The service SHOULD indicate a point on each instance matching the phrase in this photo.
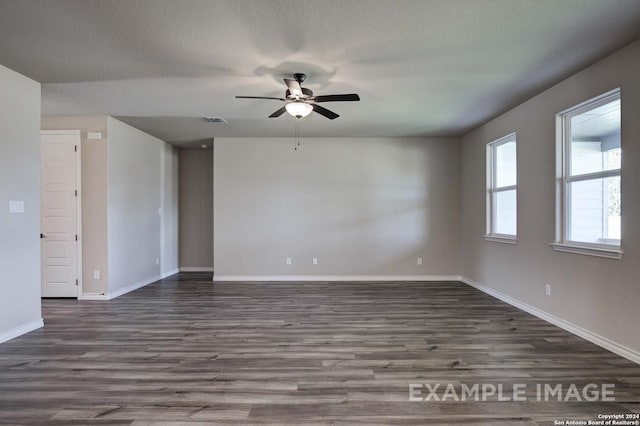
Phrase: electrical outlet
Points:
(419, 260)
(547, 289)
(315, 260)
(96, 275)
(288, 261)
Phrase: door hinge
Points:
(75, 148)
(76, 192)
(76, 237)
(76, 282)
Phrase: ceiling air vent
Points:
(215, 119)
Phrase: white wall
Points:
(19, 180)
(136, 185)
(196, 209)
(599, 295)
(361, 206)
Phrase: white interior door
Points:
(60, 153)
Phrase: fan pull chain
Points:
(296, 142)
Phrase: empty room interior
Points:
(320, 212)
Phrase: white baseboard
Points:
(119, 292)
(20, 330)
(169, 273)
(265, 278)
(196, 269)
(603, 342)
(94, 296)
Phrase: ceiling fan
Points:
(300, 101)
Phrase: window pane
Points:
(506, 174)
(595, 139)
(505, 212)
(594, 211)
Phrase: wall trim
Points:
(119, 292)
(20, 330)
(266, 278)
(607, 253)
(169, 273)
(603, 342)
(196, 269)
(94, 296)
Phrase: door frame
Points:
(77, 135)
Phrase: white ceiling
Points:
(421, 67)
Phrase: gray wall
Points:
(19, 180)
(135, 220)
(196, 208)
(169, 243)
(600, 295)
(94, 196)
(361, 206)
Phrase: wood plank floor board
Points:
(186, 351)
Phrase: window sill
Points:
(505, 239)
(608, 253)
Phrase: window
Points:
(502, 191)
(589, 178)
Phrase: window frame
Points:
(564, 178)
(493, 190)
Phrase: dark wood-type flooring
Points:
(187, 351)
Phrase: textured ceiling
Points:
(422, 68)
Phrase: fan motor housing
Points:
(306, 93)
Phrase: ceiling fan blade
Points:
(337, 98)
(323, 111)
(294, 87)
(278, 113)
(260, 97)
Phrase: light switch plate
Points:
(315, 260)
(96, 275)
(16, 206)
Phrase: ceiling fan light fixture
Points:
(300, 101)
(299, 109)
